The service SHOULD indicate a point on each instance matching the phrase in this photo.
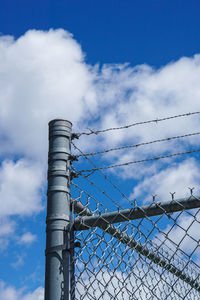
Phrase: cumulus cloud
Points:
(20, 186)
(175, 178)
(19, 262)
(11, 293)
(43, 76)
(7, 228)
(141, 93)
(27, 238)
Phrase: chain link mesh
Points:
(153, 257)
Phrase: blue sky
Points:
(153, 32)
(99, 64)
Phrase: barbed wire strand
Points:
(140, 161)
(138, 145)
(135, 124)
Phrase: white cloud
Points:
(27, 238)
(142, 93)
(42, 76)
(20, 185)
(19, 262)
(38, 294)
(176, 178)
(11, 293)
(7, 228)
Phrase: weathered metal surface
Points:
(58, 211)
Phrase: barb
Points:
(135, 124)
(140, 161)
(138, 145)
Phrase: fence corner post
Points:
(58, 211)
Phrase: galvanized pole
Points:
(57, 275)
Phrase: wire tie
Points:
(169, 216)
(89, 174)
(74, 175)
(73, 157)
(75, 136)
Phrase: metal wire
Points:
(106, 268)
(135, 124)
(140, 161)
(103, 175)
(151, 255)
(124, 196)
(138, 145)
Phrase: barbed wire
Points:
(145, 232)
(140, 144)
(135, 124)
(140, 161)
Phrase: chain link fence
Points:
(142, 252)
(102, 245)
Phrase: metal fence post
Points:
(57, 275)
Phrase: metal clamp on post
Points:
(74, 175)
(73, 158)
(75, 136)
(57, 248)
(63, 248)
